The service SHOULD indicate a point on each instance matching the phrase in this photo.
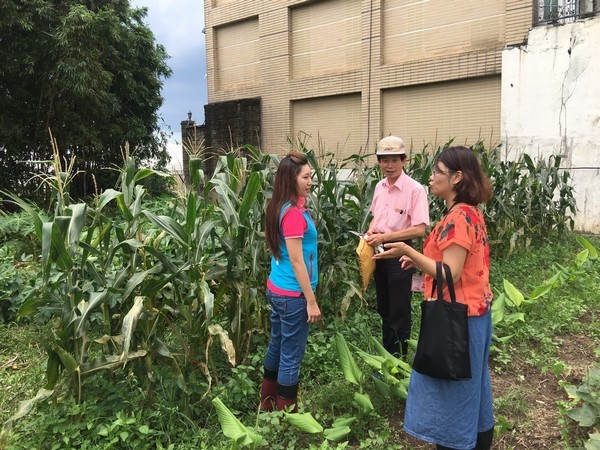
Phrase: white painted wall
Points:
(551, 105)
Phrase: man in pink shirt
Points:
(400, 213)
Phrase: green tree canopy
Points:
(89, 71)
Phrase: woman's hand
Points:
(406, 263)
(393, 250)
(314, 313)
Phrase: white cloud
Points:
(178, 25)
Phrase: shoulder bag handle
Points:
(439, 282)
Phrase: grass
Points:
(121, 416)
(22, 364)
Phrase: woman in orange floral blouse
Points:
(456, 414)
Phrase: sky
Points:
(178, 25)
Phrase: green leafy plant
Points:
(584, 407)
(510, 306)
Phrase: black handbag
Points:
(443, 345)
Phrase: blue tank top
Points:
(282, 274)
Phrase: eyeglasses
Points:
(435, 171)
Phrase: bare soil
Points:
(534, 423)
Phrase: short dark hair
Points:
(474, 187)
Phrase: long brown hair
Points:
(474, 187)
(285, 189)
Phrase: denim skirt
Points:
(451, 413)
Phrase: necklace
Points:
(452, 206)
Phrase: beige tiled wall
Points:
(308, 59)
(464, 110)
(329, 124)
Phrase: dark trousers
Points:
(393, 286)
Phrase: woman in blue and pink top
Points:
(292, 239)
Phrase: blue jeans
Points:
(289, 334)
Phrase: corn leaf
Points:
(171, 226)
(129, 324)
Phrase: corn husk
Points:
(366, 263)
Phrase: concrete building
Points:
(337, 75)
(551, 98)
(340, 74)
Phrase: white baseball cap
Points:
(391, 145)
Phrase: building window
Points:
(564, 11)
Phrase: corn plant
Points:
(533, 199)
(340, 201)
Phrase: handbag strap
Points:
(439, 281)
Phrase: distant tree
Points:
(89, 71)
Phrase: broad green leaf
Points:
(304, 422)
(336, 434)
(364, 401)
(382, 387)
(343, 422)
(571, 390)
(514, 317)
(513, 294)
(542, 290)
(400, 390)
(351, 371)
(232, 427)
(498, 306)
(593, 251)
(582, 257)
(374, 361)
(403, 366)
(593, 442)
(585, 415)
